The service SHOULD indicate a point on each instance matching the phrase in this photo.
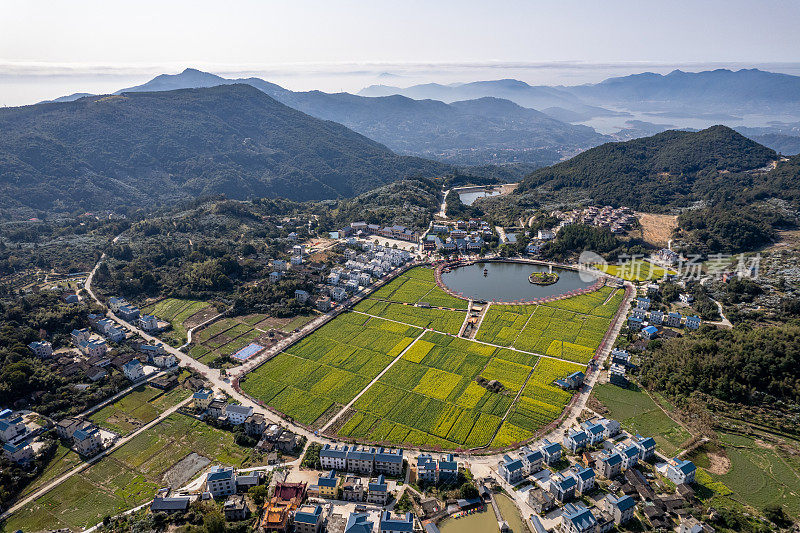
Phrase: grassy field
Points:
(176, 311)
(637, 270)
(129, 476)
(328, 367)
(142, 405)
(639, 414)
(63, 460)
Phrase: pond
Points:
(486, 522)
(468, 198)
(508, 282)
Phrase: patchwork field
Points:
(330, 367)
(179, 313)
(129, 476)
(433, 395)
(142, 405)
(227, 336)
(570, 329)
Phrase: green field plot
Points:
(414, 286)
(540, 403)
(129, 476)
(638, 413)
(435, 319)
(176, 311)
(329, 367)
(430, 397)
(760, 474)
(511, 375)
(502, 324)
(137, 408)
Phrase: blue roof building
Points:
(650, 332)
(397, 524)
(358, 523)
(577, 519)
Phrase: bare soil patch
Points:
(200, 317)
(718, 463)
(657, 229)
(185, 469)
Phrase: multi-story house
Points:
(396, 524)
(621, 509)
(594, 432)
(133, 370)
(389, 461)
(221, 481)
(647, 447)
(680, 471)
(334, 457)
(378, 491)
(610, 465)
(353, 489)
(88, 441)
(511, 469)
(584, 477)
(551, 451)
(308, 519)
(328, 485)
(237, 414)
(575, 440)
(577, 519)
(41, 349)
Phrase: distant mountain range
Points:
(146, 149)
(489, 130)
(723, 90)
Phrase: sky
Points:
(51, 48)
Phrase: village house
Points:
(41, 349)
(133, 370)
(594, 432)
(235, 508)
(352, 489)
(643, 303)
(358, 523)
(656, 317)
(170, 504)
(328, 485)
(621, 509)
(693, 322)
(308, 519)
(610, 465)
(577, 519)
(202, 398)
(148, 322)
(673, 320)
(629, 454)
(541, 501)
(11, 426)
(646, 446)
(563, 487)
(378, 491)
(334, 457)
(649, 332)
(611, 427)
(680, 471)
(255, 425)
(237, 414)
(20, 452)
(221, 481)
(511, 469)
(584, 477)
(551, 451)
(88, 441)
(216, 409)
(396, 524)
(575, 440)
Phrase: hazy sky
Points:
(48, 47)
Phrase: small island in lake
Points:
(543, 278)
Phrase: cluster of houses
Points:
(361, 459)
(272, 437)
(645, 320)
(463, 236)
(81, 435)
(15, 436)
(359, 270)
(604, 452)
(362, 230)
(618, 220)
(120, 307)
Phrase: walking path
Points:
(371, 383)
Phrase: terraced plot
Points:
(329, 367)
(129, 476)
(142, 405)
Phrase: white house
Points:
(680, 471)
(41, 348)
(133, 370)
(693, 322)
(237, 414)
(148, 322)
(18, 453)
(221, 481)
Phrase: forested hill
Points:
(670, 169)
(153, 148)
